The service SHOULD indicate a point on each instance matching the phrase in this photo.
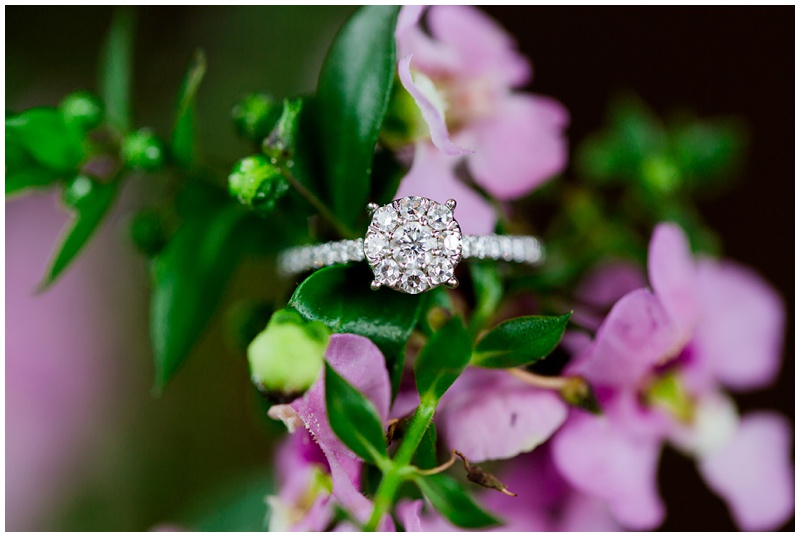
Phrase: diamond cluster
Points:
(413, 244)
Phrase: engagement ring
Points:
(413, 245)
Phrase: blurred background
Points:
(89, 448)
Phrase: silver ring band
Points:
(512, 248)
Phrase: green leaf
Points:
(184, 142)
(488, 289)
(32, 176)
(44, 136)
(520, 341)
(116, 66)
(708, 149)
(442, 360)
(425, 456)
(354, 418)
(451, 501)
(189, 279)
(340, 297)
(352, 96)
(93, 206)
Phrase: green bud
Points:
(83, 109)
(281, 141)
(143, 150)
(148, 232)
(77, 190)
(258, 183)
(660, 174)
(287, 356)
(255, 116)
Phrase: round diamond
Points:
(413, 281)
(451, 242)
(412, 208)
(413, 244)
(385, 218)
(387, 271)
(439, 216)
(375, 245)
(440, 270)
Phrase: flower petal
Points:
(673, 276)
(601, 459)
(633, 338)
(407, 18)
(740, 335)
(432, 176)
(519, 146)
(753, 473)
(586, 513)
(483, 47)
(602, 287)
(491, 415)
(431, 112)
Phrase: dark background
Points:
(714, 60)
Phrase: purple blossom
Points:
(463, 78)
(705, 325)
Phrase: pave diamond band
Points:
(413, 245)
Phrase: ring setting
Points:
(413, 245)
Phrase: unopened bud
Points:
(143, 150)
(255, 116)
(287, 356)
(82, 109)
(258, 183)
(281, 141)
(77, 190)
(148, 232)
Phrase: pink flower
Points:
(360, 362)
(462, 77)
(705, 325)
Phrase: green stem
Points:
(384, 497)
(343, 229)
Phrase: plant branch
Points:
(384, 497)
(343, 229)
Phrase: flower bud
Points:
(77, 190)
(255, 116)
(143, 150)
(287, 356)
(281, 141)
(148, 233)
(257, 183)
(83, 109)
